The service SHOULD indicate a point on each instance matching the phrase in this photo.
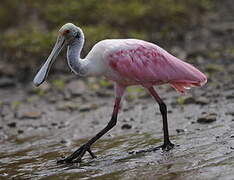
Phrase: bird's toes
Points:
(167, 146)
(62, 161)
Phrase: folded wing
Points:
(148, 64)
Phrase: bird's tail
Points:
(182, 86)
(190, 77)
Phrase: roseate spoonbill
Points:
(126, 62)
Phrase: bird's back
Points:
(131, 61)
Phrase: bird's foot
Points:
(167, 145)
(76, 157)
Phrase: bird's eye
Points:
(66, 31)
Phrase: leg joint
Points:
(112, 122)
(163, 107)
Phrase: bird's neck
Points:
(76, 64)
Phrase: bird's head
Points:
(67, 35)
(70, 32)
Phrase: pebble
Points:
(169, 111)
(207, 118)
(126, 126)
(45, 87)
(67, 106)
(202, 100)
(20, 131)
(144, 95)
(12, 124)
(30, 115)
(76, 88)
(230, 113)
(6, 82)
(52, 98)
(179, 130)
(103, 94)
(189, 100)
(63, 141)
(54, 124)
(95, 122)
(230, 96)
(88, 107)
(66, 95)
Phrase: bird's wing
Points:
(148, 64)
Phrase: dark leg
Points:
(167, 145)
(79, 153)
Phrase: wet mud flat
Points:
(39, 126)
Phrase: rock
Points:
(126, 126)
(95, 122)
(207, 118)
(103, 93)
(45, 87)
(66, 94)
(61, 126)
(7, 69)
(76, 88)
(5, 110)
(230, 113)
(67, 106)
(30, 115)
(20, 131)
(63, 141)
(179, 130)
(169, 111)
(54, 124)
(144, 95)
(211, 68)
(202, 100)
(230, 96)
(12, 124)
(6, 82)
(52, 98)
(88, 107)
(189, 100)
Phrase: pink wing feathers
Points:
(148, 64)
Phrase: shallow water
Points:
(35, 158)
(30, 148)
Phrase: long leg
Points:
(79, 153)
(167, 145)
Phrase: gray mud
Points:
(38, 127)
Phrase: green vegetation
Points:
(59, 84)
(15, 105)
(180, 100)
(29, 28)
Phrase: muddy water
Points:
(35, 158)
(30, 147)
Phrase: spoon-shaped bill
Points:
(43, 72)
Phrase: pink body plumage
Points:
(147, 64)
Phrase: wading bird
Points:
(126, 62)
